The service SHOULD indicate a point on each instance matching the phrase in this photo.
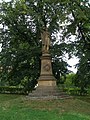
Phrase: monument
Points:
(46, 76)
(47, 88)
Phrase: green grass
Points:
(18, 107)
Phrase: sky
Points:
(5, 0)
(72, 62)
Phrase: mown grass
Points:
(18, 107)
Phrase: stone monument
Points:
(46, 76)
(47, 88)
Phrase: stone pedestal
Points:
(47, 88)
(46, 76)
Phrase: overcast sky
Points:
(4, 0)
(71, 62)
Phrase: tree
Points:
(80, 27)
(22, 23)
(83, 46)
(20, 50)
(69, 80)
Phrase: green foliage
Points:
(80, 27)
(12, 90)
(20, 49)
(69, 80)
(20, 36)
(76, 91)
(22, 23)
(25, 89)
(29, 85)
(60, 70)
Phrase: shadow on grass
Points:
(85, 98)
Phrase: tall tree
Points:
(22, 23)
(83, 45)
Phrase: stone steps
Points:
(48, 92)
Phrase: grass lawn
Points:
(17, 107)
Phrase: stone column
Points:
(46, 76)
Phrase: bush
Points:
(75, 91)
(69, 80)
(12, 89)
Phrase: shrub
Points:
(75, 91)
(12, 89)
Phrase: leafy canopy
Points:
(20, 36)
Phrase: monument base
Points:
(47, 93)
(47, 88)
(46, 80)
(46, 83)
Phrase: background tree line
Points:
(20, 37)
